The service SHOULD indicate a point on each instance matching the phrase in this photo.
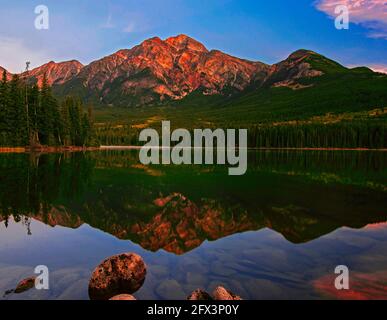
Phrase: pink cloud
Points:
(382, 68)
(371, 14)
(378, 68)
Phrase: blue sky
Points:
(267, 31)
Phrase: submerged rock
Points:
(123, 297)
(25, 284)
(221, 293)
(170, 290)
(199, 294)
(119, 274)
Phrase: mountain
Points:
(305, 85)
(300, 64)
(56, 73)
(8, 75)
(182, 70)
(159, 70)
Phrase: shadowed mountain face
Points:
(158, 209)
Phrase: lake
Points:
(277, 232)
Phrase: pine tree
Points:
(34, 102)
(85, 136)
(50, 125)
(17, 118)
(65, 125)
(4, 103)
(44, 113)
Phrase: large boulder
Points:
(119, 274)
(221, 293)
(199, 294)
(123, 297)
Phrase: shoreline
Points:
(100, 148)
(44, 149)
(252, 148)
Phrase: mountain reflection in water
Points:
(185, 217)
(177, 208)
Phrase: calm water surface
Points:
(277, 232)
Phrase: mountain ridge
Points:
(156, 71)
(56, 72)
(165, 69)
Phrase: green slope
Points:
(340, 108)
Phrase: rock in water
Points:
(220, 293)
(123, 297)
(25, 284)
(119, 274)
(199, 294)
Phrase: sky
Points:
(258, 30)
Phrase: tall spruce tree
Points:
(4, 104)
(50, 125)
(34, 105)
(65, 127)
(17, 118)
(44, 113)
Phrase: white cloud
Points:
(14, 54)
(371, 14)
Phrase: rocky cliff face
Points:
(7, 74)
(56, 73)
(296, 66)
(159, 69)
(181, 225)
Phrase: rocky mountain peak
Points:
(301, 53)
(56, 73)
(151, 42)
(296, 66)
(157, 69)
(183, 42)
